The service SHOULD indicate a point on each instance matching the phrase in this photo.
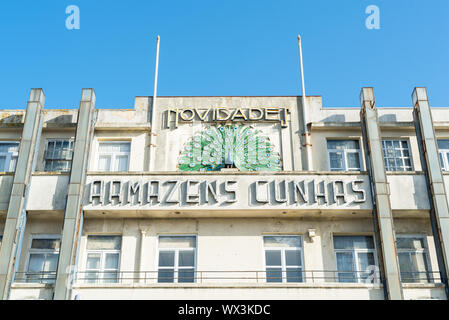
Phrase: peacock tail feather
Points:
(214, 147)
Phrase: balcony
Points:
(152, 285)
(309, 284)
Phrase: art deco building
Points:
(224, 198)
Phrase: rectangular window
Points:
(9, 152)
(58, 155)
(354, 255)
(413, 258)
(397, 155)
(177, 259)
(344, 155)
(283, 258)
(443, 150)
(43, 259)
(103, 258)
(113, 156)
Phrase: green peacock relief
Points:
(229, 145)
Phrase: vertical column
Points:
(16, 216)
(73, 216)
(383, 218)
(439, 210)
(144, 232)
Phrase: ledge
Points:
(122, 126)
(26, 285)
(335, 125)
(224, 173)
(422, 285)
(53, 173)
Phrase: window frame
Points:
(9, 156)
(425, 251)
(42, 251)
(113, 155)
(344, 153)
(102, 271)
(71, 142)
(407, 140)
(445, 153)
(283, 264)
(176, 258)
(355, 253)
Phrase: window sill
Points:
(51, 173)
(422, 285)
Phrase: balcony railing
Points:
(36, 277)
(211, 277)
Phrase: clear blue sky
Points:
(231, 47)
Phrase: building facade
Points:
(224, 198)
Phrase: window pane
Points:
(177, 241)
(112, 260)
(342, 144)
(273, 258)
(345, 266)
(294, 275)
(282, 241)
(42, 267)
(186, 258)
(125, 147)
(293, 258)
(336, 161)
(420, 266)
(274, 274)
(166, 275)
(8, 156)
(406, 267)
(104, 163)
(52, 244)
(353, 160)
(12, 164)
(104, 242)
(166, 259)
(51, 262)
(353, 242)
(364, 261)
(443, 144)
(3, 167)
(410, 243)
(36, 263)
(121, 163)
(110, 277)
(92, 277)
(93, 261)
(186, 275)
(57, 165)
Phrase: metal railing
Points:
(211, 277)
(35, 277)
(205, 277)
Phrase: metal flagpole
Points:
(306, 134)
(153, 107)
